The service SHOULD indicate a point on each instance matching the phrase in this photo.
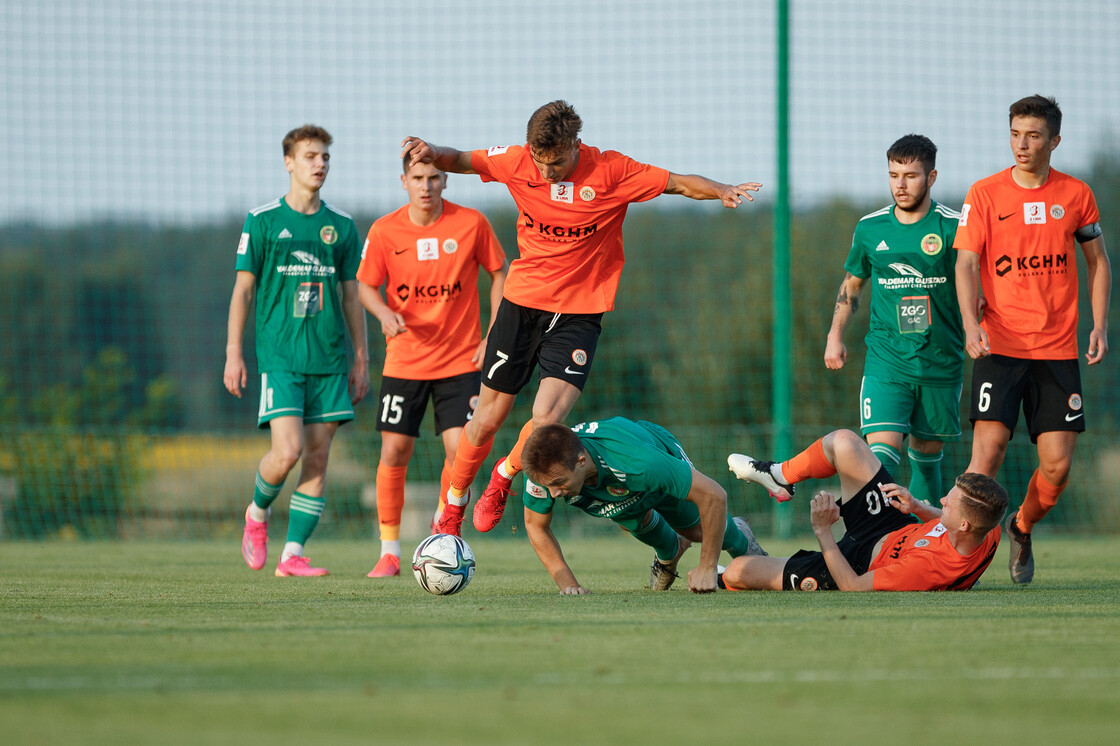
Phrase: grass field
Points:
(179, 643)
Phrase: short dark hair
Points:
(1043, 107)
(549, 446)
(552, 128)
(306, 132)
(914, 148)
(986, 500)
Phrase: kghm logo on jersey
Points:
(932, 244)
(328, 235)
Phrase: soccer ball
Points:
(443, 564)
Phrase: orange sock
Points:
(468, 460)
(444, 484)
(390, 500)
(513, 460)
(1041, 497)
(809, 464)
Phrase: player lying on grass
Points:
(637, 475)
(891, 541)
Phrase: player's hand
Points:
(479, 355)
(976, 343)
(392, 324)
(900, 497)
(359, 381)
(1098, 347)
(420, 151)
(733, 196)
(236, 376)
(823, 511)
(702, 580)
(574, 590)
(835, 354)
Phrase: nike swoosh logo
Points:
(1005, 217)
(533, 186)
(401, 251)
(793, 581)
(1071, 419)
(571, 372)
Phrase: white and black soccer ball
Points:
(443, 564)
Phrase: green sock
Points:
(925, 476)
(264, 493)
(661, 536)
(304, 516)
(888, 455)
(734, 542)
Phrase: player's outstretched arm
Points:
(538, 527)
(694, 186)
(711, 500)
(443, 158)
(236, 375)
(847, 303)
(1099, 272)
(826, 512)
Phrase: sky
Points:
(172, 112)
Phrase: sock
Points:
(925, 476)
(444, 486)
(734, 542)
(661, 536)
(1041, 497)
(263, 494)
(468, 460)
(809, 464)
(887, 454)
(391, 547)
(390, 500)
(303, 517)
(291, 549)
(512, 463)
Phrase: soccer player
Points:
(427, 255)
(297, 258)
(891, 541)
(572, 199)
(637, 475)
(1017, 236)
(915, 344)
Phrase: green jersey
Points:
(299, 262)
(633, 460)
(915, 333)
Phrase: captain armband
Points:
(1088, 232)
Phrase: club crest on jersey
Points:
(932, 244)
(1075, 402)
(562, 191)
(328, 235)
(243, 244)
(586, 193)
(921, 543)
(1057, 212)
(579, 357)
(450, 246)
(618, 491)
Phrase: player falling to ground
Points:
(915, 344)
(572, 199)
(1017, 237)
(637, 475)
(891, 541)
(297, 259)
(426, 255)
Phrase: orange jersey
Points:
(569, 234)
(430, 275)
(919, 557)
(1028, 261)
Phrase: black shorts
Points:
(868, 517)
(1048, 390)
(563, 344)
(401, 403)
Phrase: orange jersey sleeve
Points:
(569, 235)
(920, 557)
(430, 274)
(1028, 261)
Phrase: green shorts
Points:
(926, 411)
(314, 398)
(680, 514)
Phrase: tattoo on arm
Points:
(843, 299)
